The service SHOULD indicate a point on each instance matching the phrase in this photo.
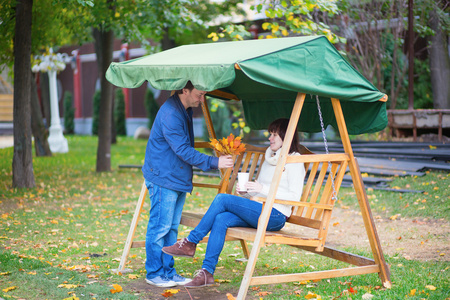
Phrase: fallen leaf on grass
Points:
(367, 296)
(133, 276)
(431, 287)
(5, 273)
(167, 294)
(68, 285)
(72, 298)
(263, 293)
(222, 280)
(116, 289)
(9, 289)
(312, 295)
(352, 291)
(230, 297)
(412, 292)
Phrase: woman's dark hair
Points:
(188, 86)
(280, 126)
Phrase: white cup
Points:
(242, 179)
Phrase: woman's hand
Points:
(238, 189)
(253, 187)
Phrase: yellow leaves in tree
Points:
(116, 289)
(228, 146)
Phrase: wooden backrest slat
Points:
(307, 188)
(317, 188)
(253, 166)
(327, 191)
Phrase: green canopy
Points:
(266, 76)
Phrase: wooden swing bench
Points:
(312, 211)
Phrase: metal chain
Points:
(334, 194)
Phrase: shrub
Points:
(119, 113)
(151, 106)
(95, 111)
(69, 113)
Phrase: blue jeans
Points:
(229, 211)
(162, 229)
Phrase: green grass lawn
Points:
(60, 239)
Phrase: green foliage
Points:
(95, 111)
(220, 116)
(69, 113)
(119, 113)
(151, 107)
(299, 18)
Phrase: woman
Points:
(234, 211)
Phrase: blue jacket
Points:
(170, 152)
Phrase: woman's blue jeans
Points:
(162, 230)
(229, 211)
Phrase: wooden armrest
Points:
(296, 203)
(206, 185)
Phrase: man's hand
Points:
(226, 162)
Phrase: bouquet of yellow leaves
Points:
(228, 146)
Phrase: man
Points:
(167, 170)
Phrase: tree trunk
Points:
(104, 50)
(439, 64)
(166, 42)
(22, 165)
(38, 129)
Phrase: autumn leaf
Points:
(172, 291)
(167, 294)
(431, 287)
(312, 295)
(352, 291)
(68, 285)
(72, 298)
(412, 292)
(116, 289)
(230, 297)
(133, 276)
(367, 296)
(222, 280)
(9, 289)
(263, 293)
(228, 146)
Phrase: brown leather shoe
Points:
(181, 248)
(201, 278)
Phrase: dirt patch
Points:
(146, 291)
(416, 239)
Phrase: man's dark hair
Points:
(188, 86)
(279, 127)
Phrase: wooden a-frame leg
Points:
(244, 248)
(130, 237)
(363, 201)
(265, 214)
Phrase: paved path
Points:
(6, 141)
